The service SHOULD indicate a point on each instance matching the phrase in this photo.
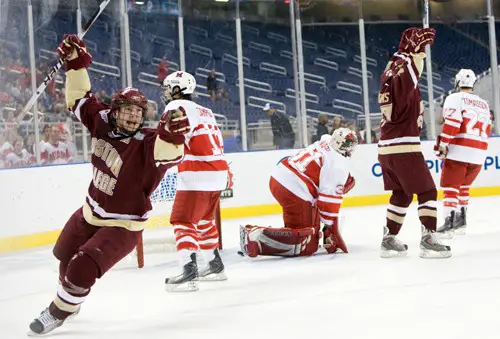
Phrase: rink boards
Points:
(36, 202)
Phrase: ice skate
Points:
(214, 271)
(447, 231)
(45, 323)
(187, 280)
(249, 248)
(460, 221)
(391, 246)
(430, 247)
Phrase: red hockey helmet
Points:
(126, 120)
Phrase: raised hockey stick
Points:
(53, 71)
(426, 14)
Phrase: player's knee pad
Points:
(81, 273)
(286, 242)
(401, 199)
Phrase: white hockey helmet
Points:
(465, 78)
(344, 141)
(177, 84)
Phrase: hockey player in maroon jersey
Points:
(309, 186)
(128, 163)
(404, 169)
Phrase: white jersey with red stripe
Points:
(466, 128)
(55, 154)
(204, 167)
(19, 160)
(316, 174)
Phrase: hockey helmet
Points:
(344, 141)
(127, 124)
(465, 78)
(178, 84)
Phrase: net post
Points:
(140, 251)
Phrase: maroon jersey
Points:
(125, 171)
(401, 106)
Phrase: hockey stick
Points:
(426, 14)
(53, 71)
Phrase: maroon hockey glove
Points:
(414, 40)
(349, 185)
(66, 50)
(173, 126)
(332, 240)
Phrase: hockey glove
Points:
(332, 240)
(349, 185)
(74, 52)
(173, 126)
(441, 151)
(413, 40)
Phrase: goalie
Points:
(309, 187)
(117, 206)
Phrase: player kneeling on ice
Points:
(309, 187)
(117, 206)
(462, 145)
(404, 169)
(203, 174)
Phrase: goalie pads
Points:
(285, 242)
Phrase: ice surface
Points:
(358, 295)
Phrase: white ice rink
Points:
(358, 295)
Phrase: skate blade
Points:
(213, 277)
(392, 254)
(189, 286)
(445, 235)
(427, 254)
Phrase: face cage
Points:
(120, 132)
(171, 95)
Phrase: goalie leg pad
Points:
(285, 242)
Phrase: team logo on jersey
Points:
(339, 189)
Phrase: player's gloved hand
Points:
(413, 40)
(174, 125)
(439, 150)
(74, 52)
(332, 240)
(349, 185)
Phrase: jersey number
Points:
(213, 136)
(304, 158)
(477, 126)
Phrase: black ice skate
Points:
(45, 323)
(448, 229)
(430, 247)
(214, 271)
(460, 221)
(187, 280)
(391, 246)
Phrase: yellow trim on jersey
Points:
(28, 241)
(77, 85)
(396, 149)
(131, 225)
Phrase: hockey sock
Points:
(427, 211)
(81, 274)
(208, 235)
(463, 196)
(186, 237)
(450, 201)
(396, 212)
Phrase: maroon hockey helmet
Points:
(129, 96)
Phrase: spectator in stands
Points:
(423, 131)
(105, 98)
(283, 134)
(212, 85)
(162, 70)
(337, 123)
(46, 135)
(321, 128)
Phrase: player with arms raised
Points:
(203, 174)
(128, 163)
(462, 145)
(404, 169)
(309, 187)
